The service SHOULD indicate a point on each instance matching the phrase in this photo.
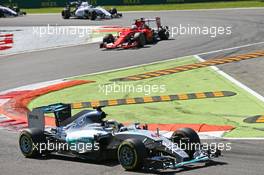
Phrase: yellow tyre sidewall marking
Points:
(134, 150)
(29, 137)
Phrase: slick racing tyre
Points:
(92, 15)
(140, 39)
(113, 11)
(131, 154)
(29, 142)
(109, 38)
(65, 14)
(2, 15)
(86, 14)
(187, 139)
(164, 34)
(119, 15)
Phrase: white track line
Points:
(215, 68)
(162, 61)
(239, 84)
(139, 65)
(232, 48)
(233, 80)
(243, 138)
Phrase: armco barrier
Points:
(60, 3)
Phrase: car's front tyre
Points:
(140, 39)
(187, 139)
(131, 154)
(66, 14)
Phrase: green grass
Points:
(185, 6)
(221, 111)
(44, 10)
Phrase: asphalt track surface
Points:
(246, 157)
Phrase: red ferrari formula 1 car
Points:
(138, 35)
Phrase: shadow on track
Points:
(114, 163)
(110, 163)
(147, 46)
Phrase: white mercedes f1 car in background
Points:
(10, 12)
(83, 10)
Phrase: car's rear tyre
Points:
(86, 14)
(131, 154)
(140, 39)
(187, 139)
(66, 14)
(2, 15)
(113, 11)
(109, 38)
(29, 142)
(164, 34)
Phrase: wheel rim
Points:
(25, 144)
(127, 156)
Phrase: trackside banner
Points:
(61, 3)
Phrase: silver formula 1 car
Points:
(10, 12)
(88, 135)
(83, 10)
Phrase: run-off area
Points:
(27, 39)
(222, 111)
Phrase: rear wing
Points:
(36, 117)
(157, 20)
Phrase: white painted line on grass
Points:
(241, 85)
(234, 81)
